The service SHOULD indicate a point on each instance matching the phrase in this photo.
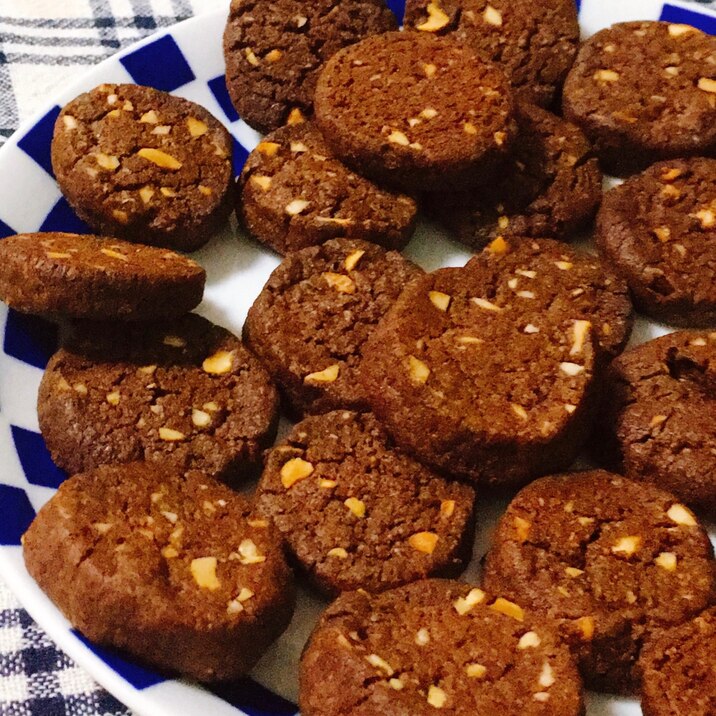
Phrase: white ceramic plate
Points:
(187, 60)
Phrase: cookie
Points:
(294, 194)
(388, 107)
(643, 92)
(357, 513)
(68, 275)
(535, 43)
(172, 569)
(658, 230)
(310, 322)
(678, 670)
(487, 372)
(435, 644)
(552, 187)
(275, 50)
(185, 393)
(659, 422)
(144, 166)
(609, 559)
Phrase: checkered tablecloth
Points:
(44, 44)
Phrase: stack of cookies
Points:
(412, 392)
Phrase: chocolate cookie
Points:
(487, 372)
(92, 277)
(185, 393)
(294, 194)
(433, 645)
(172, 569)
(552, 186)
(389, 108)
(658, 230)
(534, 42)
(609, 559)
(678, 670)
(143, 165)
(644, 91)
(314, 315)
(659, 422)
(274, 51)
(355, 512)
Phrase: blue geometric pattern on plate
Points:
(36, 143)
(159, 64)
(673, 13)
(17, 513)
(63, 218)
(218, 89)
(30, 339)
(35, 459)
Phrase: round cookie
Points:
(275, 50)
(534, 42)
(355, 512)
(609, 559)
(431, 645)
(294, 194)
(487, 372)
(659, 421)
(658, 230)
(387, 106)
(310, 322)
(644, 91)
(144, 166)
(552, 187)
(91, 277)
(678, 670)
(173, 569)
(185, 393)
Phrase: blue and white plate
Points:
(187, 60)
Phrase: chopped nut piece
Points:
(174, 342)
(526, 294)
(196, 127)
(248, 553)
(541, 696)
(573, 572)
(429, 69)
(469, 340)
(667, 561)
(428, 113)
(80, 388)
(487, 305)
(681, 515)
(327, 484)
(294, 470)
(107, 161)
(327, 375)
(513, 283)
(113, 398)
(519, 411)
(707, 217)
(58, 255)
(170, 435)
(586, 626)
(440, 300)
(268, 149)
(657, 420)
(563, 265)
(447, 508)
(251, 57)
(170, 516)
(627, 545)
(437, 19)
(526, 274)
(671, 174)
(295, 207)
(274, 56)
(162, 130)
(70, 122)
(146, 193)
(492, 16)
(378, 663)
(234, 606)
(398, 137)
(160, 158)
(499, 138)
(423, 542)
(295, 116)
(200, 418)
(437, 698)
(463, 605)
(571, 369)
(469, 128)
(508, 608)
(121, 216)
(546, 678)
(298, 147)
(522, 527)
(422, 637)
(261, 181)
(580, 331)
(476, 671)
(169, 193)
(676, 30)
(338, 552)
(203, 569)
(352, 259)
(340, 282)
(396, 684)
(606, 76)
(150, 117)
(529, 640)
(356, 506)
(419, 371)
(530, 328)
(707, 85)
(219, 364)
(698, 342)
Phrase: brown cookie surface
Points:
(660, 416)
(295, 194)
(186, 393)
(313, 317)
(678, 670)
(487, 372)
(644, 91)
(551, 187)
(275, 50)
(388, 107)
(172, 569)
(144, 165)
(355, 512)
(534, 42)
(73, 276)
(658, 230)
(609, 559)
(435, 645)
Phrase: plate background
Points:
(187, 60)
